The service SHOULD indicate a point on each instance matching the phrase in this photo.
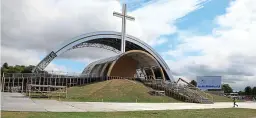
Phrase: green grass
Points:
(217, 98)
(114, 91)
(204, 113)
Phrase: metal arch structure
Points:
(107, 40)
(84, 44)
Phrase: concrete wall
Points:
(124, 67)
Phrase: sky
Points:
(194, 37)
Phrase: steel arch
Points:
(85, 38)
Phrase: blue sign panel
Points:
(209, 82)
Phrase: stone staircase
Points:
(200, 96)
(184, 93)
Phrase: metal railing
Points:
(192, 94)
(204, 95)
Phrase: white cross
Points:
(124, 17)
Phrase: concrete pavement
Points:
(19, 102)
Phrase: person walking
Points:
(234, 100)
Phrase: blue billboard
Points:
(209, 82)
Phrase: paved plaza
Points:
(19, 102)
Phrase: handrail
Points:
(195, 95)
(210, 96)
(204, 94)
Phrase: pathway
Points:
(19, 102)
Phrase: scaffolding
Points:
(46, 84)
(33, 90)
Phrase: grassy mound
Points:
(115, 91)
(217, 98)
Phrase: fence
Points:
(43, 83)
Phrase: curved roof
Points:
(109, 38)
(144, 59)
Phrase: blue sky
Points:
(200, 21)
(71, 65)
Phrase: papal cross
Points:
(124, 16)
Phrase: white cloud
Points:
(41, 25)
(228, 50)
(25, 57)
(158, 18)
(158, 41)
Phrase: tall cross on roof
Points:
(124, 16)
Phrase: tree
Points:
(16, 69)
(254, 91)
(5, 65)
(4, 68)
(248, 90)
(193, 82)
(12, 69)
(240, 93)
(226, 88)
(28, 69)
